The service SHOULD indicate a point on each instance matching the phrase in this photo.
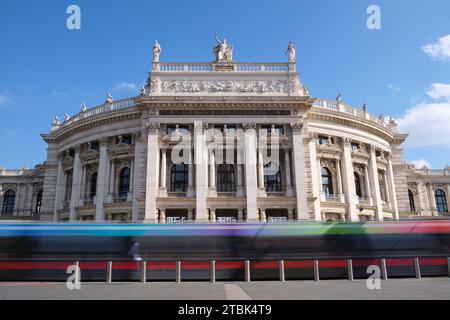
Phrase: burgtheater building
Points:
(223, 141)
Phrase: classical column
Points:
(262, 215)
(201, 171)
(374, 185)
(212, 169)
(240, 174)
(151, 181)
(102, 180)
(163, 177)
(386, 190)
(339, 181)
(50, 181)
(76, 184)
(349, 180)
(392, 192)
(367, 183)
(291, 214)
(261, 169)
(299, 169)
(251, 172)
(432, 200)
(315, 177)
(112, 178)
(17, 200)
(83, 183)
(130, 191)
(137, 176)
(240, 214)
(212, 215)
(190, 191)
(162, 215)
(59, 189)
(419, 207)
(287, 168)
(191, 214)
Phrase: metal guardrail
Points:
(281, 267)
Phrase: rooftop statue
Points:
(156, 51)
(223, 50)
(291, 52)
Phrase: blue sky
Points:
(47, 70)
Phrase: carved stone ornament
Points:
(153, 127)
(249, 126)
(297, 127)
(241, 86)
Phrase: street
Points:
(426, 288)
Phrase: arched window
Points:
(38, 202)
(226, 178)
(8, 201)
(411, 201)
(124, 182)
(93, 191)
(358, 185)
(272, 180)
(327, 181)
(179, 177)
(441, 201)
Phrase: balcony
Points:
(226, 194)
(276, 194)
(87, 201)
(176, 194)
(120, 198)
(329, 197)
(363, 201)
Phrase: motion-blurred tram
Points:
(38, 251)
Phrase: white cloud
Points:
(5, 97)
(394, 90)
(439, 50)
(60, 94)
(439, 91)
(419, 164)
(125, 86)
(428, 124)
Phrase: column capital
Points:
(249, 126)
(103, 141)
(297, 127)
(152, 127)
(346, 142)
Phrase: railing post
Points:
(212, 271)
(178, 272)
(384, 274)
(109, 272)
(247, 270)
(448, 265)
(316, 270)
(350, 269)
(143, 271)
(417, 268)
(78, 272)
(281, 267)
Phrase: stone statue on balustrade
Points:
(156, 51)
(223, 51)
(291, 52)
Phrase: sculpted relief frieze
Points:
(238, 86)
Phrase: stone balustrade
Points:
(345, 108)
(208, 67)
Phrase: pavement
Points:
(392, 289)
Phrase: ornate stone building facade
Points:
(223, 141)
